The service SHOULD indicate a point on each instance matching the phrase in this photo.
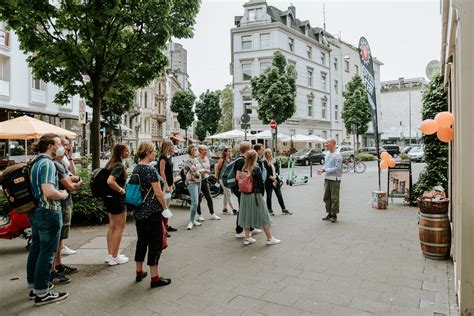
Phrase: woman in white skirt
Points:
(253, 212)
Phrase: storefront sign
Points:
(399, 183)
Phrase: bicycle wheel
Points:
(345, 167)
(360, 167)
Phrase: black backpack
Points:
(99, 186)
(16, 186)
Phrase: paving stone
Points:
(313, 305)
(369, 306)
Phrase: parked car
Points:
(307, 155)
(347, 152)
(393, 150)
(371, 150)
(417, 154)
(407, 149)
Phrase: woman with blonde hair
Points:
(149, 216)
(192, 169)
(226, 158)
(165, 170)
(205, 169)
(253, 212)
(114, 202)
(273, 183)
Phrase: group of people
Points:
(52, 177)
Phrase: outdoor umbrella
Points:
(233, 134)
(268, 135)
(299, 138)
(316, 139)
(25, 127)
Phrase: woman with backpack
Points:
(226, 158)
(273, 183)
(114, 202)
(253, 212)
(149, 216)
(193, 170)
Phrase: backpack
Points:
(228, 177)
(133, 192)
(16, 186)
(99, 186)
(245, 183)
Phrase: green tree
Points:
(227, 108)
(436, 152)
(275, 91)
(357, 111)
(208, 111)
(182, 103)
(200, 131)
(90, 48)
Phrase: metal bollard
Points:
(310, 169)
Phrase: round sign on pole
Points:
(245, 118)
(273, 125)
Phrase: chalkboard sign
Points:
(399, 184)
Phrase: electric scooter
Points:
(292, 178)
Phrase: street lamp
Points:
(401, 82)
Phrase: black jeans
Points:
(150, 237)
(270, 188)
(206, 191)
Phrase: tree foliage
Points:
(227, 109)
(200, 131)
(357, 111)
(208, 111)
(182, 104)
(275, 91)
(436, 152)
(95, 48)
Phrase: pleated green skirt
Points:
(253, 211)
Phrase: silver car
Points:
(417, 154)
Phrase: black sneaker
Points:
(32, 295)
(161, 282)
(225, 212)
(59, 279)
(171, 229)
(234, 211)
(50, 297)
(64, 269)
(333, 218)
(327, 218)
(286, 212)
(140, 276)
(168, 234)
(271, 213)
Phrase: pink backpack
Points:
(245, 182)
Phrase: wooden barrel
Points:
(435, 236)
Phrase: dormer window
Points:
(255, 14)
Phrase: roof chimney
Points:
(292, 9)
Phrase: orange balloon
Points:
(429, 127)
(391, 162)
(444, 119)
(445, 134)
(383, 164)
(385, 156)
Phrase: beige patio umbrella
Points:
(25, 127)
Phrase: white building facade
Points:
(401, 107)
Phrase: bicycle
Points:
(353, 166)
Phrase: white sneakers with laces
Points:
(201, 218)
(249, 241)
(273, 241)
(120, 259)
(215, 217)
(66, 251)
(190, 226)
(196, 223)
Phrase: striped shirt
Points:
(44, 171)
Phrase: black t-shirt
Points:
(168, 169)
(151, 206)
(239, 163)
(118, 171)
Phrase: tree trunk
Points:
(186, 135)
(95, 129)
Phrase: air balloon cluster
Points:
(441, 125)
(387, 160)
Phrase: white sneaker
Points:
(273, 241)
(109, 259)
(201, 218)
(120, 260)
(241, 235)
(66, 251)
(196, 223)
(256, 231)
(249, 241)
(190, 226)
(214, 216)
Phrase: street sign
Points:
(245, 126)
(245, 118)
(82, 118)
(82, 106)
(273, 125)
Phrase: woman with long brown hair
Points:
(115, 203)
(226, 158)
(165, 170)
(253, 212)
(273, 183)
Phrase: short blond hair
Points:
(145, 148)
(244, 147)
(202, 147)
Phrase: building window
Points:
(323, 81)
(291, 44)
(325, 134)
(323, 58)
(323, 108)
(310, 77)
(247, 100)
(310, 107)
(264, 65)
(336, 86)
(265, 40)
(246, 42)
(336, 112)
(255, 15)
(335, 63)
(145, 100)
(337, 138)
(356, 68)
(246, 71)
(293, 63)
(309, 52)
(38, 84)
(346, 65)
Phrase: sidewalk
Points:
(368, 263)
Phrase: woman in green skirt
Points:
(253, 212)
